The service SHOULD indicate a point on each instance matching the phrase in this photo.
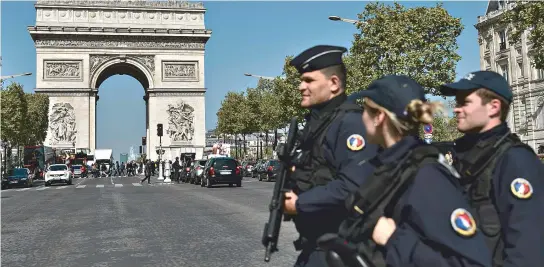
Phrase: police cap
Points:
(318, 57)
(480, 79)
(393, 92)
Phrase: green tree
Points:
(444, 126)
(419, 42)
(287, 93)
(226, 116)
(13, 113)
(528, 16)
(37, 119)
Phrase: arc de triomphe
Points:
(79, 44)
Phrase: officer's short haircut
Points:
(338, 70)
(488, 95)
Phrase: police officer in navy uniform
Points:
(502, 176)
(332, 139)
(411, 211)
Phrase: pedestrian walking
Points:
(147, 172)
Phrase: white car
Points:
(58, 173)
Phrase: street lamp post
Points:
(337, 18)
(3, 78)
(259, 76)
(236, 147)
(240, 144)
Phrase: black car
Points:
(222, 170)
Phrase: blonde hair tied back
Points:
(418, 112)
(423, 112)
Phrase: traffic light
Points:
(141, 151)
(159, 129)
(144, 141)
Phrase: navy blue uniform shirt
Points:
(345, 149)
(518, 187)
(436, 227)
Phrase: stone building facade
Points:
(514, 62)
(81, 43)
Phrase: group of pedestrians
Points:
(367, 189)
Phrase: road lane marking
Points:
(61, 187)
(82, 180)
(136, 184)
(81, 186)
(99, 185)
(42, 188)
(22, 189)
(118, 185)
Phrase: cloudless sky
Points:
(248, 37)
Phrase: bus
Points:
(38, 157)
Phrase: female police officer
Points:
(411, 212)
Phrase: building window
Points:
(520, 69)
(539, 122)
(502, 40)
(504, 71)
(502, 4)
(539, 75)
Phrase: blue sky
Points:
(249, 37)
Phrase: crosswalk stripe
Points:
(118, 185)
(23, 189)
(61, 187)
(81, 186)
(99, 185)
(136, 184)
(42, 188)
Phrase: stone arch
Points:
(79, 44)
(121, 65)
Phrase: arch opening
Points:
(122, 69)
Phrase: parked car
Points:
(222, 171)
(20, 177)
(270, 170)
(58, 173)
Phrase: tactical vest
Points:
(379, 196)
(311, 167)
(476, 167)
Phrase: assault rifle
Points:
(272, 227)
(341, 253)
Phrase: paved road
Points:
(118, 222)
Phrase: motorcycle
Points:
(187, 175)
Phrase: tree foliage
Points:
(14, 115)
(23, 118)
(528, 16)
(419, 42)
(444, 127)
(37, 118)
(286, 90)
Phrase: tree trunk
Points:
(266, 142)
(275, 139)
(245, 150)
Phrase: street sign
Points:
(428, 136)
(160, 151)
(428, 140)
(428, 128)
